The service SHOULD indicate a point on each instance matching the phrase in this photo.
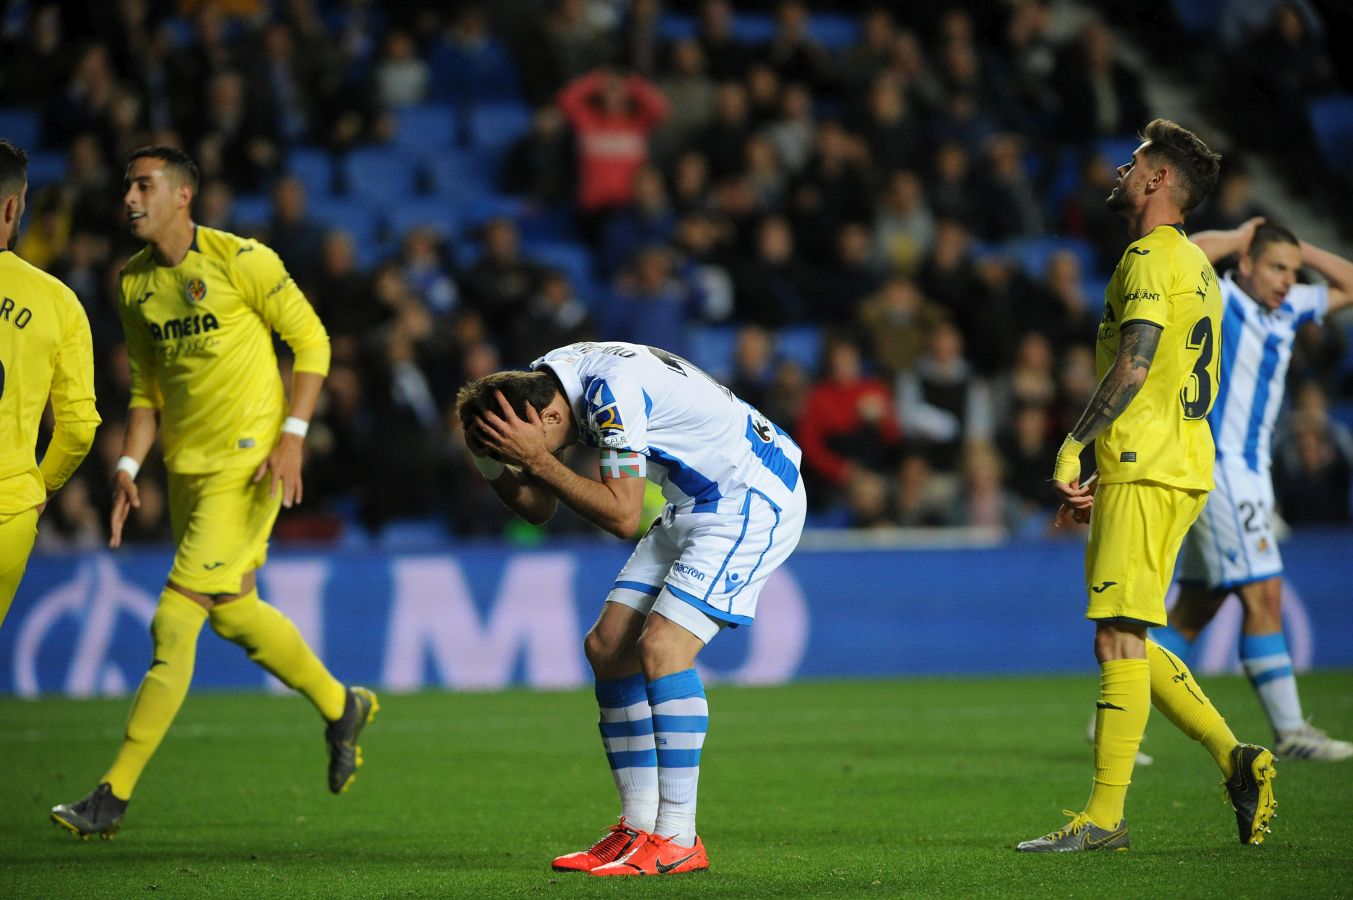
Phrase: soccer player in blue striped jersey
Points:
(735, 510)
(1232, 549)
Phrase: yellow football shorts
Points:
(18, 531)
(1136, 529)
(221, 523)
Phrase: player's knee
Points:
(232, 620)
(600, 647)
(1264, 602)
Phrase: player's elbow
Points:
(79, 436)
(625, 524)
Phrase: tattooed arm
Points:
(1137, 344)
(1136, 349)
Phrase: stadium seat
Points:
(834, 31)
(45, 167)
(355, 215)
(495, 126)
(385, 173)
(460, 174)
(252, 210)
(1332, 122)
(677, 27)
(1118, 150)
(754, 29)
(21, 127)
(1033, 254)
(314, 167)
(711, 348)
(437, 213)
(478, 210)
(801, 343)
(1199, 18)
(571, 258)
(427, 128)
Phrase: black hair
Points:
(1270, 233)
(1195, 165)
(13, 169)
(180, 163)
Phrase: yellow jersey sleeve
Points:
(1146, 282)
(73, 406)
(267, 287)
(145, 382)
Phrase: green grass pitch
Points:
(834, 789)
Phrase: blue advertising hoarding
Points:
(482, 618)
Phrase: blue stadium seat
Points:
(427, 128)
(358, 216)
(385, 173)
(571, 258)
(801, 343)
(677, 27)
(711, 348)
(478, 210)
(1332, 122)
(834, 31)
(252, 210)
(753, 28)
(314, 167)
(1200, 18)
(437, 213)
(1032, 254)
(460, 174)
(1118, 150)
(21, 127)
(495, 126)
(45, 167)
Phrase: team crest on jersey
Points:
(195, 290)
(604, 412)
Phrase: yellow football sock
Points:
(1120, 722)
(173, 629)
(272, 641)
(1175, 693)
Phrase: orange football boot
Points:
(618, 841)
(658, 856)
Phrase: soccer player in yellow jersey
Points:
(198, 308)
(45, 349)
(1157, 359)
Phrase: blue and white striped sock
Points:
(627, 734)
(1173, 641)
(680, 720)
(1269, 668)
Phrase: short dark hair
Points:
(13, 169)
(1270, 233)
(536, 388)
(1195, 165)
(174, 159)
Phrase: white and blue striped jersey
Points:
(1256, 346)
(705, 447)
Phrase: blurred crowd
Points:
(873, 197)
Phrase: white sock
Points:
(627, 734)
(680, 720)
(1269, 668)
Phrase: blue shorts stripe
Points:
(632, 759)
(649, 589)
(1264, 678)
(626, 729)
(678, 759)
(684, 724)
(720, 614)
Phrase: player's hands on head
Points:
(1246, 230)
(283, 467)
(125, 498)
(510, 438)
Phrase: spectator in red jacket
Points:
(847, 427)
(612, 116)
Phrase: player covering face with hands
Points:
(735, 511)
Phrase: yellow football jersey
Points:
(199, 336)
(1163, 435)
(45, 350)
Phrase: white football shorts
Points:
(705, 570)
(1232, 541)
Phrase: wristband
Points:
(1068, 467)
(295, 426)
(489, 467)
(128, 465)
